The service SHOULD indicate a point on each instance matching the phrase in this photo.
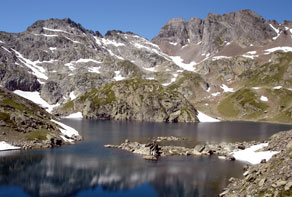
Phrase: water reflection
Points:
(66, 175)
(88, 168)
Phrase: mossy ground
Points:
(38, 134)
(24, 120)
(244, 103)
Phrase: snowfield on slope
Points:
(6, 146)
(205, 118)
(36, 98)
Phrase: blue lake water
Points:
(89, 169)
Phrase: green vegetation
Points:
(219, 41)
(271, 74)
(68, 106)
(40, 135)
(187, 78)
(100, 96)
(228, 108)
(243, 103)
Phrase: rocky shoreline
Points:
(268, 178)
(272, 178)
(153, 148)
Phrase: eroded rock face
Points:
(51, 91)
(15, 77)
(134, 99)
(243, 27)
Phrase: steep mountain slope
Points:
(26, 125)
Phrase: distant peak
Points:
(63, 24)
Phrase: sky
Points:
(143, 17)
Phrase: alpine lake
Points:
(89, 169)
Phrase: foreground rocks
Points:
(153, 149)
(272, 178)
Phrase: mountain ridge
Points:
(62, 60)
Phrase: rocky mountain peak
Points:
(175, 31)
(210, 35)
(59, 25)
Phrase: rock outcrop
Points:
(243, 28)
(26, 125)
(133, 99)
(272, 178)
(161, 146)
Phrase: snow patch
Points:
(56, 30)
(284, 49)
(66, 130)
(265, 99)
(173, 43)
(216, 93)
(2, 42)
(5, 49)
(226, 89)
(276, 30)
(46, 35)
(72, 96)
(94, 69)
(53, 48)
(256, 88)
(36, 98)
(71, 65)
(171, 81)
(251, 52)
(112, 54)
(152, 69)
(38, 71)
(118, 76)
(249, 56)
(277, 87)
(220, 57)
(250, 155)
(77, 115)
(112, 42)
(179, 61)
(205, 118)
(74, 41)
(6, 146)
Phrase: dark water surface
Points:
(89, 169)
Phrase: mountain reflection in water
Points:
(89, 169)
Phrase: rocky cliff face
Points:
(243, 28)
(133, 99)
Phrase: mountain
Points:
(244, 59)
(62, 60)
(229, 66)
